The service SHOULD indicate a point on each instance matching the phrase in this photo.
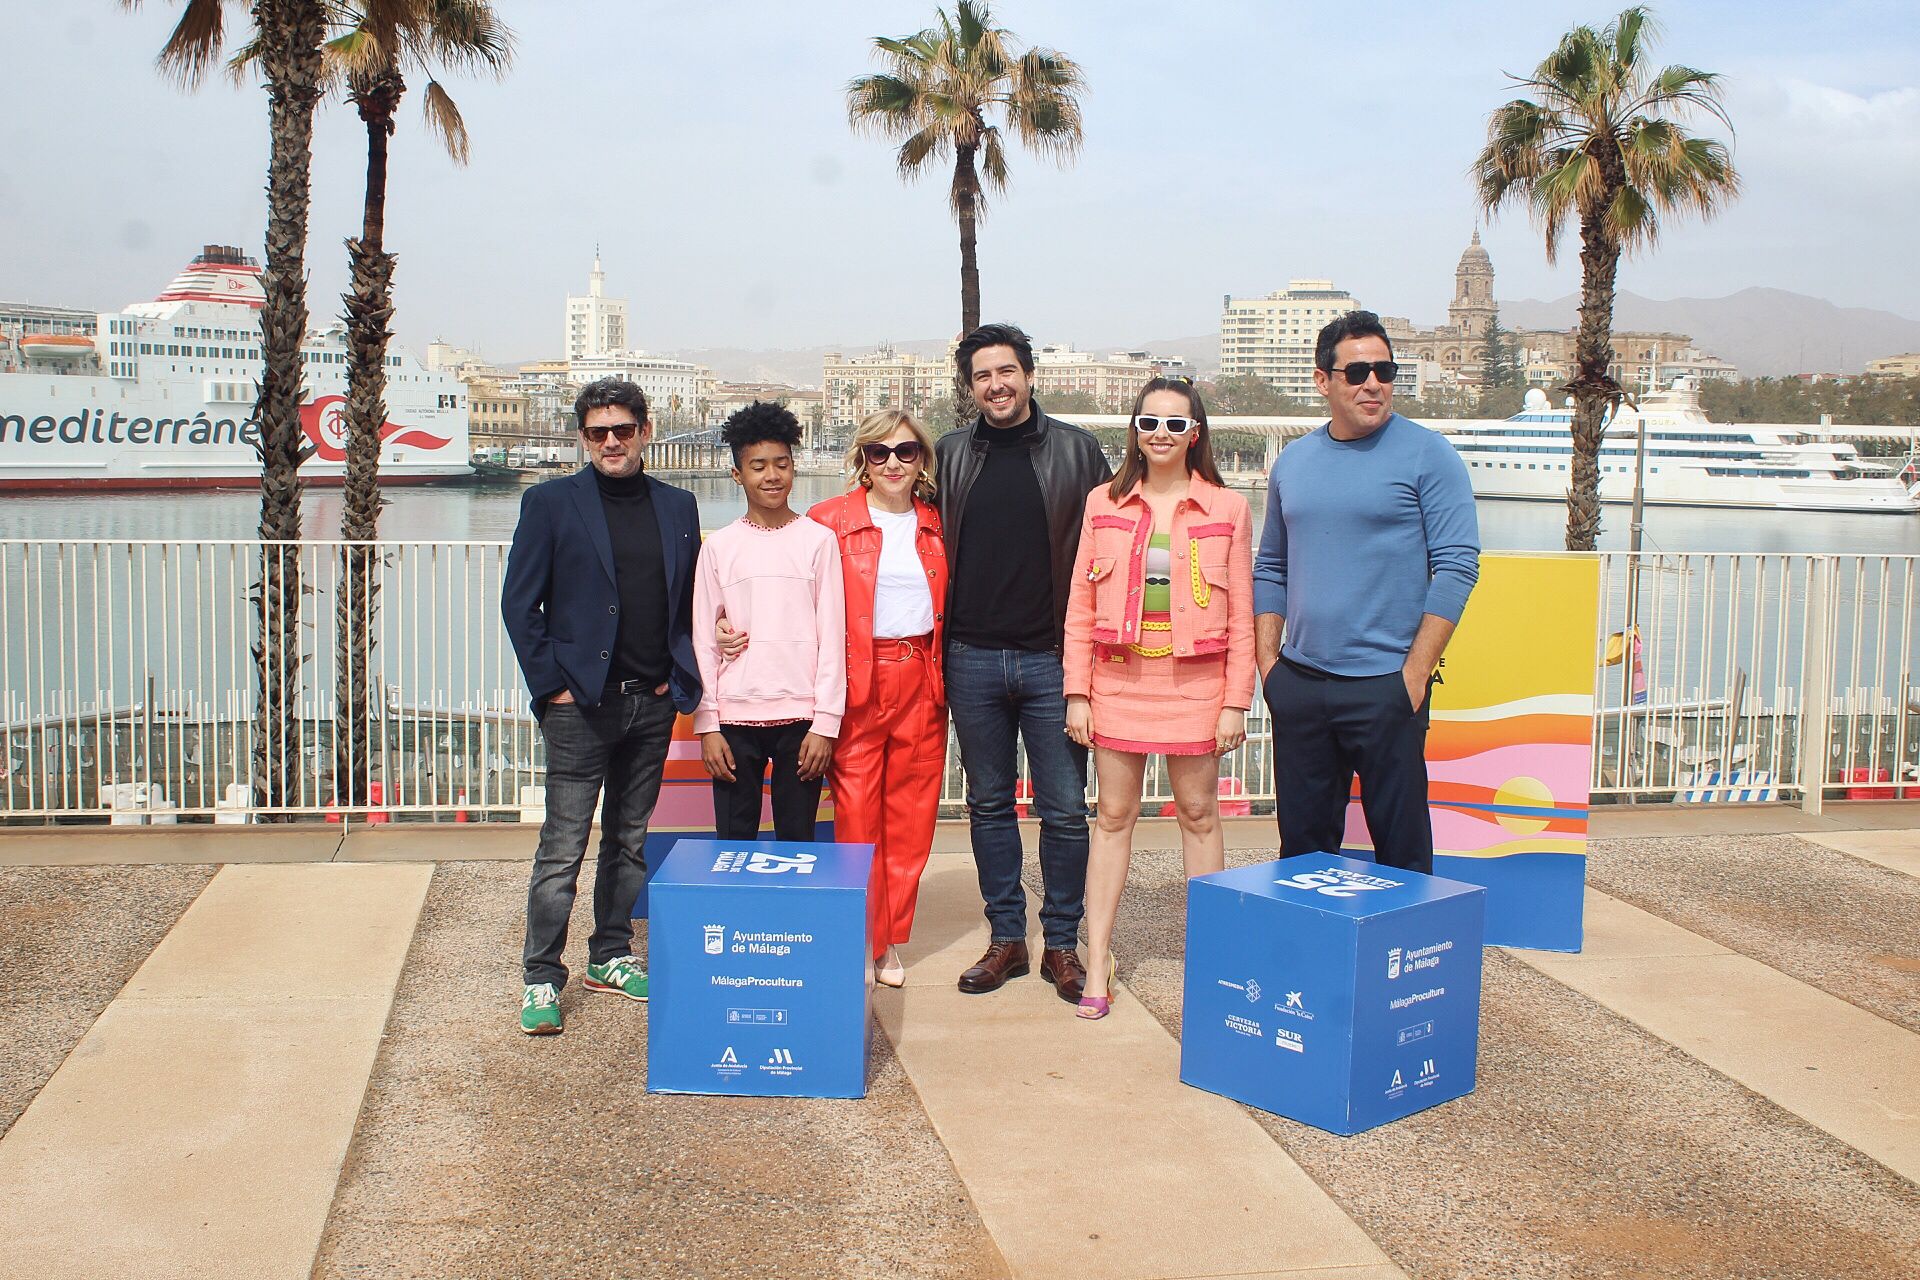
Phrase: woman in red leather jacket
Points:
(892, 752)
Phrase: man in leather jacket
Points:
(1012, 488)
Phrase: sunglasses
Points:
(1146, 424)
(619, 430)
(1356, 373)
(908, 451)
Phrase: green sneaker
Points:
(540, 1010)
(620, 975)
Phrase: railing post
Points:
(1816, 685)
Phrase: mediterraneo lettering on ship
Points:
(98, 426)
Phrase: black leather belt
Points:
(638, 686)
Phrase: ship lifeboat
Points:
(55, 346)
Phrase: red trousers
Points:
(885, 775)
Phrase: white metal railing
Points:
(129, 685)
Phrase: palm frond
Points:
(931, 142)
(1628, 30)
(884, 105)
(443, 120)
(993, 162)
(195, 42)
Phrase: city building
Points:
(1644, 360)
(676, 390)
(1271, 338)
(496, 418)
(596, 324)
(855, 386)
(1112, 381)
(806, 404)
(1903, 366)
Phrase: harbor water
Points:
(472, 514)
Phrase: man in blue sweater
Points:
(1369, 552)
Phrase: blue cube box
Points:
(1332, 991)
(762, 982)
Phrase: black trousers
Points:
(736, 804)
(1328, 728)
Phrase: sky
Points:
(1231, 145)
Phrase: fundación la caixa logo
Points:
(760, 862)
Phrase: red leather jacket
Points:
(859, 537)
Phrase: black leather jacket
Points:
(1068, 463)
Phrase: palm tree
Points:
(288, 35)
(383, 41)
(1597, 140)
(937, 95)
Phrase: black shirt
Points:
(1002, 591)
(640, 578)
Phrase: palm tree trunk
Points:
(369, 306)
(1594, 389)
(289, 34)
(966, 208)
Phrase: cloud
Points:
(1884, 116)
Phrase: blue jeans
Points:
(994, 696)
(619, 746)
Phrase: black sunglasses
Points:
(1356, 373)
(1146, 424)
(908, 451)
(619, 430)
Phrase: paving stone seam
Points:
(1713, 1056)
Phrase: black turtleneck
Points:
(640, 578)
(1002, 591)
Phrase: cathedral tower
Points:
(1473, 304)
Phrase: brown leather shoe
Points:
(1003, 960)
(1064, 970)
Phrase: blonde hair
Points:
(876, 427)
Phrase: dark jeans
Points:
(622, 743)
(1328, 728)
(736, 804)
(994, 696)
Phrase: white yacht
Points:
(1691, 461)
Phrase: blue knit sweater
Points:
(1364, 537)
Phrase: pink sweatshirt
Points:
(783, 588)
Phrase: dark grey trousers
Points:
(619, 746)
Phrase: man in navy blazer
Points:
(598, 598)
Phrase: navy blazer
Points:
(559, 599)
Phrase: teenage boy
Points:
(597, 594)
(779, 701)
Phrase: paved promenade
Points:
(246, 1052)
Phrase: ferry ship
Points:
(1691, 461)
(161, 396)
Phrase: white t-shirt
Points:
(902, 597)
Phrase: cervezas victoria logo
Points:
(325, 423)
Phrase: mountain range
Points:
(1765, 332)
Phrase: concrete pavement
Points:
(1643, 1109)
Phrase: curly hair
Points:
(761, 421)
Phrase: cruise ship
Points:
(1691, 461)
(161, 396)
